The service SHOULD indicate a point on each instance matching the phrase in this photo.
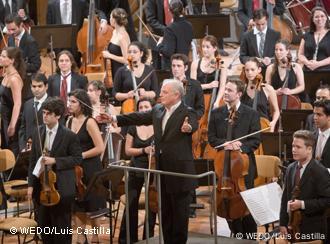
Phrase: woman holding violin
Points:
(137, 70)
(314, 49)
(138, 146)
(117, 48)
(205, 69)
(87, 130)
(11, 96)
(258, 94)
(285, 76)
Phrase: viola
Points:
(49, 196)
(80, 186)
(295, 218)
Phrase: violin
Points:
(231, 167)
(80, 186)
(129, 105)
(49, 196)
(153, 195)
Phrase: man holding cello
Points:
(229, 122)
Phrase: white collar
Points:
(237, 106)
(256, 31)
(326, 133)
(53, 130)
(173, 107)
(41, 100)
(19, 37)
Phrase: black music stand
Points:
(205, 25)
(313, 79)
(294, 119)
(270, 144)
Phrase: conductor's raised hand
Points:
(186, 127)
(104, 118)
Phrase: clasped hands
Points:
(232, 146)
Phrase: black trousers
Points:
(175, 216)
(56, 219)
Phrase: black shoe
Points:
(222, 52)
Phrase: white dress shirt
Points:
(68, 82)
(40, 101)
(256, 32)
(66, 17)
(168, 114)
(49, 138)
(321, 142)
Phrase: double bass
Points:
(231, 167)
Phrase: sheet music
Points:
(39, 168)
(264, 202)
(223, 227)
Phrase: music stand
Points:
(294, 119)
(270, 144)
(205, 25)
(313, 79)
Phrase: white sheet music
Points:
(264, 202)
(39, 168)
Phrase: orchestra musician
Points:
(11, 96)
(120, 40)
(263, 92)
(193, 91)
(173, 123)
(8, 7)
(260, 41)
(204, 69)
(39, 86)
(87, 130)
(138, 147)
(65, 153)
(246, 123)
(312, 180)
(283, 66)
(177, 36)
(314, 48)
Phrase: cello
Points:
(230, 168)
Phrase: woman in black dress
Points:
(204, 69)
(314, 49)
(117, 49)
(92, 146)
(138, 146)
(276, 73)
(123, 85)
(266, 100)
(11, 96)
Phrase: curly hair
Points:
(84, 101)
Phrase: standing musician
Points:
(123, 88)
(260, 41)
(138, 147)
(64, 153)
(306, 193)
(259, 95)
(87, 130)
(314, 49)
(247, 7)
(246, 123)
(120, 40)
(193, 91)
(204, 69)
(173, 123)
(283, 66)
(177, 36)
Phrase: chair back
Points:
(7, 160)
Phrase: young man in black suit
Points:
(173, 122)
(39, 86)
(246, 122)
(260, 41)
(193, 90)
(313, 182)
(64, 153)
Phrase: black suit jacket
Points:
(67, 152)
(54, 83)
(314, 190)
(28, 122)
(80, 10)
(14, 9)
(177, 39)
(173, 148)
(310, 125)
(325, 157)
(248, 121)
(249, 47)
(194, 97)
(31, 55)
(245, 10)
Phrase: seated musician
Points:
(259, 95)
(64, 153)
(193, 91)
(306, 193)
(118, 45)
(87, 130)
(322, 93)
(204, 69)
(314, 49)
(283, 68)
(123, 87)
(247, 122)
(138, 147)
